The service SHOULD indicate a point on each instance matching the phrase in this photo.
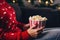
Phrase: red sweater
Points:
(8, 19)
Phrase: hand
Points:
(26, 26)
(34, 32)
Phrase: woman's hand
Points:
(26, 26)
(34, 32)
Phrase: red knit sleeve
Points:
(25, 35)
(8, 20)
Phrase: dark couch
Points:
(52, 15)
(30, 9)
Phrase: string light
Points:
(13, 1)
(39, 1)
(51, 1)
(51, 4)
(29, 1)
(58, 7)
(46, 2)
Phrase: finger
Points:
(33, 26)
(27, 25)
(43, 26)
(39, 29)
